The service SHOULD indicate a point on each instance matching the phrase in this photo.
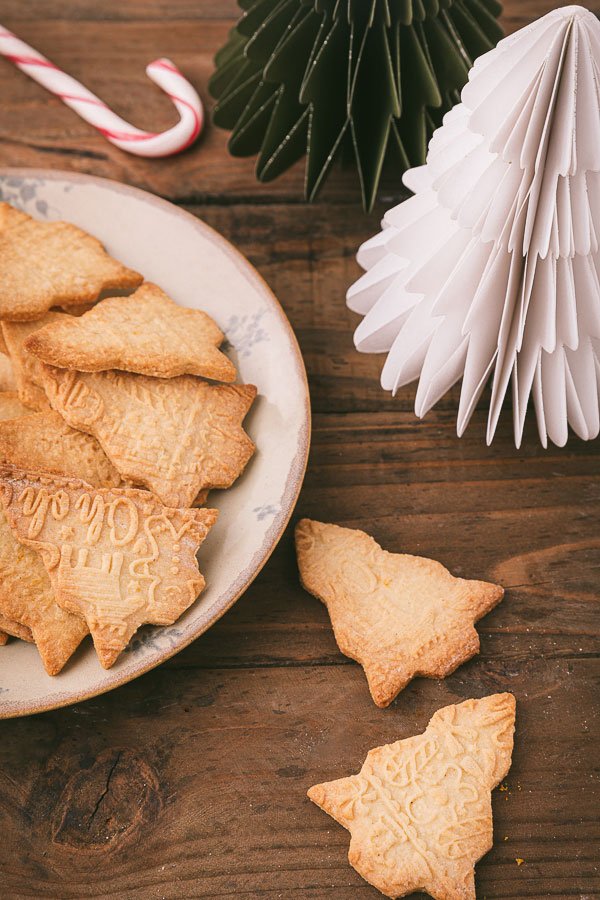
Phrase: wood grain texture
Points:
(190, 782)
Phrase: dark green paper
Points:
(363, 79)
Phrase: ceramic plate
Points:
(198, 268)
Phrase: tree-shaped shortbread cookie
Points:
(44, 264)
(177, 436)
(147, 333)
(420, 811)
(397, 615)
(116, 557)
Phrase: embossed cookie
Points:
(116, 557)
(27, 598)
(399, 616)
(44, 264)
(145, 333)
(177, 436)
(419, 812)
(26, 367)
(43, 442)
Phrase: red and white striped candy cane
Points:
(115, 129)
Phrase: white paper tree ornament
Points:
(490, 273)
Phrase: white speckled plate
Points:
(197, 267)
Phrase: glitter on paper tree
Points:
(362, 79)
(490, 273)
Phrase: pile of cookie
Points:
(118, 414)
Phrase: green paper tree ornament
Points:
(357, 79)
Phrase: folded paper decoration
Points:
(360, 78)
(490, 272)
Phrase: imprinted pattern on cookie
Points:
(419, 812)
(177, 436)
(117, 557)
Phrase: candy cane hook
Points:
(115, 129)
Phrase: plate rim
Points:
(295, 479)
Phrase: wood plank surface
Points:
(191, 782)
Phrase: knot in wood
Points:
(103, 804)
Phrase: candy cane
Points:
(116, 130)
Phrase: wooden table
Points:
(191, 781)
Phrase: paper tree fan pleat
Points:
(490, 273)
(362, 78)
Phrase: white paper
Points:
(490, 273)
